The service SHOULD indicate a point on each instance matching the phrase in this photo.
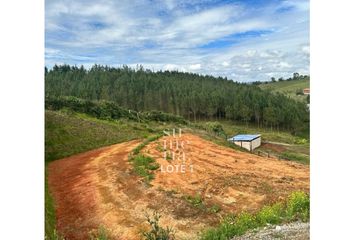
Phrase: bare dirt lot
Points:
(99, 188)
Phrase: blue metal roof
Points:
(244, 137)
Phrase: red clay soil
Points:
(99, 188)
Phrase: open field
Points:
(100, 188)
(288, 87)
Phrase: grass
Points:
(297, 207)
(146, 142)
(67, 134)
(50, 230)
(289, 87)
(299, 157)
(144, 166)
(197, 201)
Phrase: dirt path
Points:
(98, 188)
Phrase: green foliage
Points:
(215, 127)
(157, 232)
(50, 230)
(271, 214)
(68, 134)
(144, 166)
(292, 88)
(189, 95)
(196, 200)
(296, 208)
(107, 110)
(214, 209)
(301, 141)
(295, 157)
(146, 142)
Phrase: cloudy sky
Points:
(244, 40)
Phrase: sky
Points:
(248, 40)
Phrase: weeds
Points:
(297, 207)
(157, 232)
(146, 142)
(144, 166)
(196, 201)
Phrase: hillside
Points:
(288, 87)
(110, 192)
(192, 96)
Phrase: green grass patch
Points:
(145, 142)
(289, 88)
(297, 207)
(295, 157)
(196, 200)
(49, 211)
(67, 134)
(144, 166)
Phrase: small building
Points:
(248, 141)
(306, 91)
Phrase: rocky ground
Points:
(291, 231)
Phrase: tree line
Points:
(193, 96)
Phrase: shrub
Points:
(215, 127)
(271, 214)
(156, 231)
(298, 206)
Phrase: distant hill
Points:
(192, 96)
(289, 88)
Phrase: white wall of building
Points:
(247, 145)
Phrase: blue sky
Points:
(243, 40)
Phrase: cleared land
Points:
(288, 87)
(99, 187)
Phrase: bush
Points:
(298, 207)
(271, 214)
(108, 110)
(215, 127)
(156, 231)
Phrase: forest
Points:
(192, 96)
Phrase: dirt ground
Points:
(99, 188)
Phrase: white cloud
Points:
(169, 35)
(225, 64)
(195, 66)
